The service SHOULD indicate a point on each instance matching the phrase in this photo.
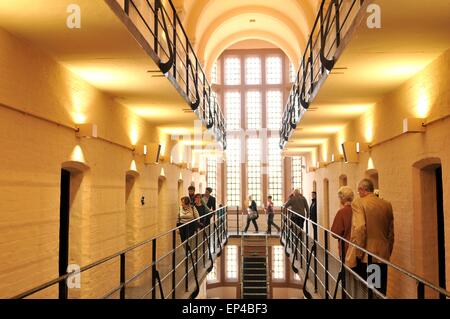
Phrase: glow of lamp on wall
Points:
(77, 154)
(133, 136)
(133, 166)
(423, 105)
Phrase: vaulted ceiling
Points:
(214, 25)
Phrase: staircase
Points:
(254, 267)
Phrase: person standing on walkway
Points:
(342, 223)
(270, 215)
(372, 229)
(299, 205)
(252, 214)
(185, 219)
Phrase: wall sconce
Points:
(311, 169)
(87, 130)
(322, 164)
(350, 154)
(413, 125)
(362, 147)
(153, 151)
(140, 149)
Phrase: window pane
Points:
(232, 71)
(233, 154)
(278, 262)
(274, 106)
(212, 173)
(233, 110)
(297, 177)
(252, 70)
(292, 73)
(254, 168)
(274, 70)
(214, 74)
(274, 171)
(254, 104)
(231, 262)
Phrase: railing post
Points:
(369, 289)
(326, 263)
(186, 279)
(174, 43)
(122, 276)
(343, 293)
(154, 268)
(315, 257)
(126, 6)
(420, 290)
(196, 247)
(174, 262)
(214, 233)
(156, 25)
(338, 32)
(187, 66)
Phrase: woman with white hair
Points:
(342, 224)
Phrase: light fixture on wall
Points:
(349, 151)
(362, 147)
(322, 164)
(140, 149)
(87, 130)
(152, 155)
(414, 125)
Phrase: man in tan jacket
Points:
(372, 229)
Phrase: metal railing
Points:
(162, 29)
(327, 269)
(168, 266)
(320, 55)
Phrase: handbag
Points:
(252, 214)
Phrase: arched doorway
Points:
(429, 222)
(71, 208)
(132, 203)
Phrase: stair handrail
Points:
(309, 74)
(121, 254)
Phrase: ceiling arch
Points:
(270, 37)
(286, 22)
(305, 8)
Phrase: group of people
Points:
(366, 221)
(253, 215)
(192, 207)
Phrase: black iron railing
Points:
(320, 55)
(162, 28)
(169, 267)
(315, 256)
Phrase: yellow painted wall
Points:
(425, 94)
(32, 154)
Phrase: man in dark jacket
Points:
(209, 200)
(298, 204)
